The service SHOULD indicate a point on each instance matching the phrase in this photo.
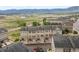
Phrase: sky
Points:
(37, 4)
(31, 7)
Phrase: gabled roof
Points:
(15, 47)
(61, 41)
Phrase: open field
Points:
(12, 22)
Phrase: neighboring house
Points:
(66, 22)
(66, 43)
(68, 25)
(15, 47)
(50, 37)
(40, 36)
(3, 36)
(59, 19)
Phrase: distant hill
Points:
(73, 9)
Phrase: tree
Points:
(45, 22)
(75, 32)
(66, 31)
(35, 23)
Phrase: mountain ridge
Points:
(72, 9)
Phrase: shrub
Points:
(66, 31)
(21, 23)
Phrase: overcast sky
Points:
(37, 4)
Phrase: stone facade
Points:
(40, 36)
(50, 37)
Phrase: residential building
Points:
(40, 36)
(66, 22)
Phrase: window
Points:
(67, 50)
(33, 36)
(29, 31)
(50, 34)
(38, 39)
(22, 39)
(29, 39)
(46, 39)
(2, 41)
(42, 35)
(46, 34)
